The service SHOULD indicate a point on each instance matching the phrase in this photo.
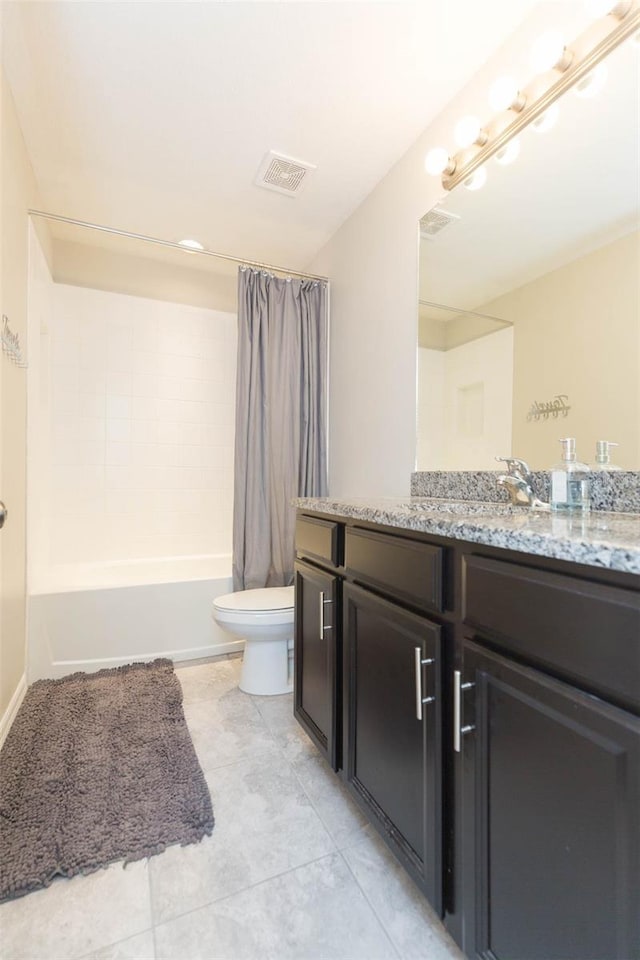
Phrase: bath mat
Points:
(97, 767)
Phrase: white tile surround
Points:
(292, 870)
(142, 397)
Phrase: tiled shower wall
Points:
(142, 427)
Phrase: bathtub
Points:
(90, 616)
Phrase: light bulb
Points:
(190, 244)
(509, 153)
(602, 8)
(468, 131)
(598, 8)
(591, 84)
(547, 119)
(436, 161)
(477, 179)
(504, 95)
(549, 52)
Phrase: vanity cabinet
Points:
(485, 706)
(548, 693)
(551, 793)
(392, 760)
(316, 639)
(317, 633)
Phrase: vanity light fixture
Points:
(546, 120)
(549, 52)
(605, 8)
(561, 68)
(505, 95)
(469, 131)
(593, 83)
(438, 161)
(508, 153)
(190, 244)
(477, 179)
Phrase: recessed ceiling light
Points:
(190, 244)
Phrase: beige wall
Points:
(18, 193)
(577, 332)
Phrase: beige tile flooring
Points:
(292, 871)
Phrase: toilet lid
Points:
(265, 598)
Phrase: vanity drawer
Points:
(318, 540)
(588, 632)
(402, 568)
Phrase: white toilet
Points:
(264, 620)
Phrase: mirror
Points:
(529, 320)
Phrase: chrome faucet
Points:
(517, 482)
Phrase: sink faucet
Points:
(517, 481)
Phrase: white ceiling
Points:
(154, 116)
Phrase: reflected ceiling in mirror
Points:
(549, 246)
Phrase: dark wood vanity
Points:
(483, 707)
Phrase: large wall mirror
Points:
(529, 316)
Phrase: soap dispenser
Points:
(569, 480)
(603, 456)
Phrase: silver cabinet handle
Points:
(323, 626)
(419, 663)
(3, 514)
(458, 730)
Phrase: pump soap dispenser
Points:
(603, 457)
(570, 480)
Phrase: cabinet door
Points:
(393, 742)
(551, 806)
(316, 641)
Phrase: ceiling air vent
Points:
(435, 221)
(283, 174)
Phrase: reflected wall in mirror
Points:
(540, 337)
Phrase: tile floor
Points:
(292, 871)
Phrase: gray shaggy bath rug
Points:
(97, 767)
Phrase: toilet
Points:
(263, 618)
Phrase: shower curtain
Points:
(281, 436)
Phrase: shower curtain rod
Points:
(177, 246)
(467, 313)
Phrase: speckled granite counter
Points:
(615, 490)
(599, 539)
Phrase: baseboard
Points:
(14, 704)
(61, 668)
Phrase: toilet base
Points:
(265, 668)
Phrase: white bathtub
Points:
(85, 617)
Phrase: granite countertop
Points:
(598, 538)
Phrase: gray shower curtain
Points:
(281, 437)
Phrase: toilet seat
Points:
(261, 600)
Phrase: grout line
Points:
(107, 946)
(310, 798)
(251, 886)
(435, 926)
(371, 906)
(152, 909)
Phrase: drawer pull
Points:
(323, 626)
(419, 663)
(458, 730)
